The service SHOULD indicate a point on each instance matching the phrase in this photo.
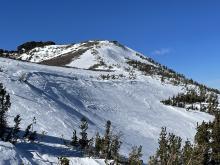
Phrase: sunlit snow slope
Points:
(59, 97)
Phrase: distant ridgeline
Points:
(24, 48)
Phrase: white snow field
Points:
(59, 97)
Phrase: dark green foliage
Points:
(146, 68)
(33, 44)
(98, 144)
(165, 73)
(107, 141)
(90, 148)
(187, 153)
(212, 103)
(4, 107)
(192, 97)
(182, 99)
(114, 148)
(13, 134)
(163, 145)
(135, 156)
(63, 161)
(205, 151)
(83, 141)
(169, 151)
(215, 142)
(27, 131)
(33, 136)
(74, 142)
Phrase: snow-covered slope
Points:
(59, 97)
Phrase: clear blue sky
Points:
(182, 34)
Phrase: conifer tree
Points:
(63, 161)
(98, 144)
(162, 152)
(215, 141)
(106, 141)
(135, 156)
(174, 149)
(16, 128)
(84, 139)
(27, 131)
(187, 153)
(74, 142)
(202, 139)
(13, 134)
(4, 107)
(115, 146)
(213, 104)
(33, 136)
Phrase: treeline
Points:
(165, 73)
(205, 150)
(27, 46)
(203, 101)
(32, 44)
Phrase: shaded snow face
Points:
(59, 97)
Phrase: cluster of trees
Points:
(111, 76)
(206, 149)
(143, 67)
(208, 102)
(32, 44)
(106, 147)
(7, 53)
(24, 48)
(11, 134)
(165, 73)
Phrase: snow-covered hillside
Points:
(106, 55)
(60, 96)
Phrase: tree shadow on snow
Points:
(46, 145)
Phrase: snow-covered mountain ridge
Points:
(103, 55)
(96, 82)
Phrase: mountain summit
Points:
(98, 80)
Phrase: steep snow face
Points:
(59, 97)
(104, 55)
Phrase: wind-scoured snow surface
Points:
(59, 97)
